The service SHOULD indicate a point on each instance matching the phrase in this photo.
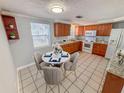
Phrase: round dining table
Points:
(54, 59)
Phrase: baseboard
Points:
(25, 66)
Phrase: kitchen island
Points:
(114, 81)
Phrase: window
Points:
(40, 34)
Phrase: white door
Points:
(113, 43)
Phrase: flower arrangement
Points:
(120, 55)
(12, 35)
(57, 49)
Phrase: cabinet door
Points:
(96, 49)
(66, 29)
(61, 29)
(104, 29)
(113, 84)
(65, 47)
(57, 29)
(91, 27)
(80, 31)
(107, 30)
(103, 48)
(99, 49)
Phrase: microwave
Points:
(90, 33)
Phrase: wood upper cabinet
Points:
(99, 49)
(90, 27)
(104, 29)
(79, 31)
(61, 29)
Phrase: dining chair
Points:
(71, 66)
(53, 76)
(39, 62)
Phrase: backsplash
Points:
(60, 39)
(98, 38)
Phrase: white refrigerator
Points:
(116, 41)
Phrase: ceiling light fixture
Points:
(57, 9)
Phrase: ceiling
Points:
(93, 11)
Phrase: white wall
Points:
(8, 79)
(22, 49)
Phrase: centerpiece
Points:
(120, 55)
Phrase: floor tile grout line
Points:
(72, 81)
(26, 78)
(99, 77)
(86, 61)
(103, 77)
(33, 79)
(85, 57)
(78, 77)
(91, 75)
(21, 82)
(80, 74)
(61, 85)
(96, 82)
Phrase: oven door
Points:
(87, 47)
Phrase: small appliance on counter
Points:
(90, 33)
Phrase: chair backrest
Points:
(38, 60)
(74, 61)
(52, 75)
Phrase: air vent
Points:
(79, 17)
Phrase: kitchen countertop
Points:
(67, 42)
(101, 42)
(72, 41)
(115, 68)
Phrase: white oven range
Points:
(87, 47)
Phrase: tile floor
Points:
(91, 71)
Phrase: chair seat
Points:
(43, 64)
(67, 65)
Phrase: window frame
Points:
(49, 36)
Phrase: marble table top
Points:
(51, 58)
(115, 68)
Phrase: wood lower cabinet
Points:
(61, 29)
(72, 47)
(99, 49)
(113, 84)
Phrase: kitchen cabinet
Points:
(79, 31)
(61, 29)
(9, 23)
(113, 84)
(104, 29)
(90, 27)
(99, 49)
(72, 47)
